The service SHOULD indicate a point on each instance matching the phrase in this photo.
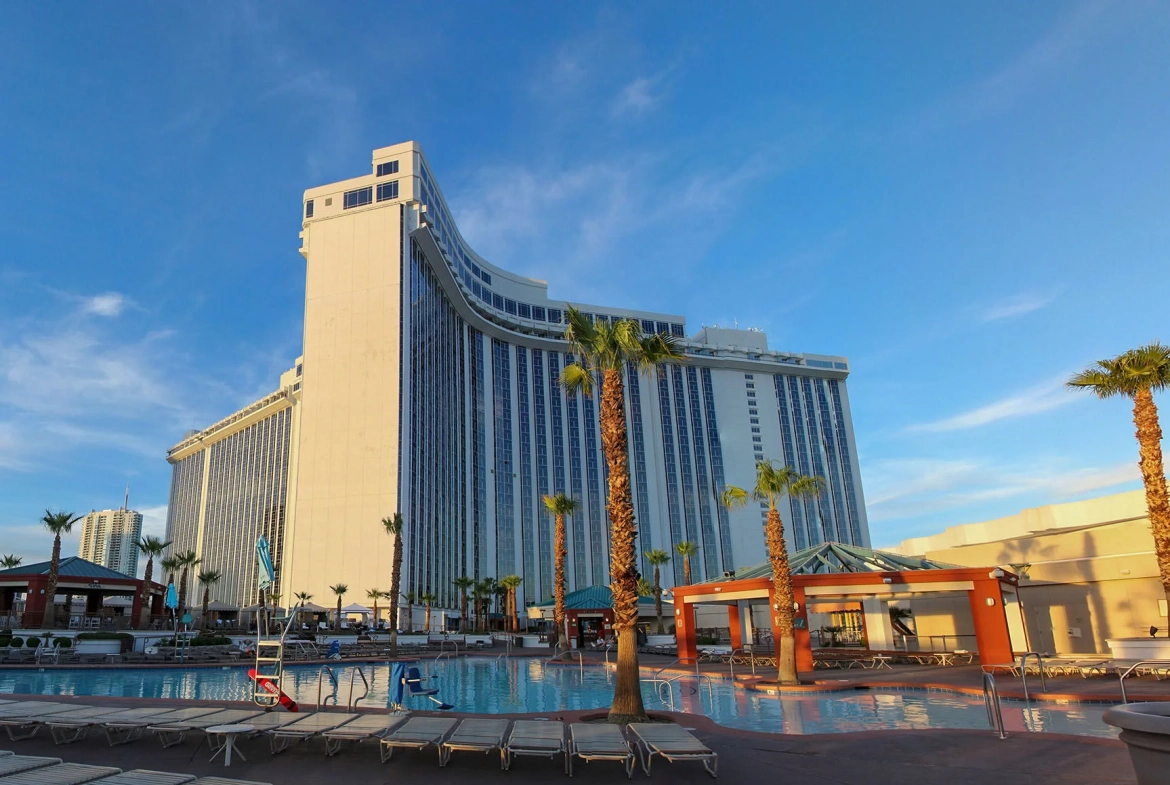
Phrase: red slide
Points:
(271, 687)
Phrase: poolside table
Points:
(229, 733)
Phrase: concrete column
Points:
(991, 626)
(879, 632)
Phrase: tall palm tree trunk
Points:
(627, 697)
(49, 620)
(560, 553)
(395, 587)
(203, 621)
(144, 614)
(1149, 436)
(782, 590)
(658, 599)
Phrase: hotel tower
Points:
(429, 386)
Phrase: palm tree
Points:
(394, 527)
(559, 506)
(7, 562)
(462, 584)
(605, 350)
(57, 523)
(170, 564)
(645, 588)
(207, 579)
(151, 546)
(302, 598)
(482, 591)
(1138, 374)
(686, 549)
(510, 584)
(340, 589)
(491, 591)
(375, 595)
(186, 561)
(427, 599)
(410, 598)
(658, 558)
(772, 484)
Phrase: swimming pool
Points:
(525, 685)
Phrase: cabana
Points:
(589, 613)
(832, 575)
(76, 577)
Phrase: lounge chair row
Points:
(541, 738)
(35, 770)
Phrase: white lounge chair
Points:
(417, 733)
(535, 738)
(61, 774)
(306, 727)
(365, 727)
(25, 724)
(147, 777)
(125, 726)
(15, 764)
(67, 727)
(225, 781)
(475, 735)
(171, 731)
(672, 742)
(599, 741)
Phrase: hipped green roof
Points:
(833, 558)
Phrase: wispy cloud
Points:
(1016, 305)
(641, 95)
(1035, 400)
(902, 489)
(105, 304)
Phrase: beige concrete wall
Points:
(1079, 585)
(347, 449)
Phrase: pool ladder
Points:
(269, 666)
(991, 703)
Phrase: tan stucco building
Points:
(1087, 570)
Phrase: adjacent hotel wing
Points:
(429, 386)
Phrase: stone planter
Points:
(1145, 729)
(97, 647)
(1139, 648)
(660, 640)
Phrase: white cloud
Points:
(106, 304)
(1038, 399)
(154, 519)
(902, 489)
(1017, 305)
(638, 97)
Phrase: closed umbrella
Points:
(397, 677)
(265, 575)
(172, 600)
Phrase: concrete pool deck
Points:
(935, 757)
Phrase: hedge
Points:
(16, 643)
(62, 643)
(105, 636)
(32, 643)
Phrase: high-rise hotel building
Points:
(110, 538)
(429, 386)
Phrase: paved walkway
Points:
(875, 758)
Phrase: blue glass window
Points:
(676, 330)
(361, 196)
(475, 288)
(555, 316)
(498, 301)
(486, 277)
(510, 306)
(538, 313)
(525, 311)
(309, 209)
(387, 191)
(663, 328)
(390, 167)
(648, 326)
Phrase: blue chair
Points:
(413, 681)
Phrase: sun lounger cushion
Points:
(61, 774)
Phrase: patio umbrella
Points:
(172, 600)
(397, 676)
(266, 575)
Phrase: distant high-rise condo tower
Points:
(429, 386)
(110, 537)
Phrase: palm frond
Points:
(733, 497)
(575, 378)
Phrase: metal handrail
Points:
(443, 654)
(321, 682)
(677, 661)
(670, 690)
(443, 645)
(991, 703)
(508, 651)
(1134, 667)
(569, 654)
(742, 650)
(1024, 671)
(354, 702)
(608, 648)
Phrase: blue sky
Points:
(969, 200)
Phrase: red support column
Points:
(992, 637)
(34, 602)
(736, 626)
(136, 607)
(684, 630)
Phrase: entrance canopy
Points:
(832, 573)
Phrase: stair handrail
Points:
(1134, 667)
(352, 701)
(569, 653)
(991, 703)
(320, 683)
(1024, 671)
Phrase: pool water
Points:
(524, 685)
